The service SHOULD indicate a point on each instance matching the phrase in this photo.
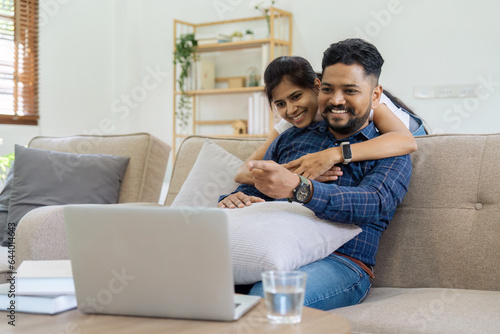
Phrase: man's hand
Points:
(238, 200)
(317, 166)
(272, 179)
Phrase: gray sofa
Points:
(438, 265)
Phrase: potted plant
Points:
(5, 164)
(264, 7)
(184, 55)
(248, 35)
(236, 36)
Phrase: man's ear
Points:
(376, 95)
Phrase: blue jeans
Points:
(331, 283)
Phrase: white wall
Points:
(96, 58)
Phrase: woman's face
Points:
(295, 104)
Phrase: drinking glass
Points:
(284, 295)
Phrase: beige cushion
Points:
(446, 231)
(148, 159)
(211, 176)
(188, 152)
(396, 311)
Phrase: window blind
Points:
(19, 62)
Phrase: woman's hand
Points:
(238, 200)
(318, 166)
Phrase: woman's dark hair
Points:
(296, 69)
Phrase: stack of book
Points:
(211, 38)
(258, 114)
(201, 75)
(44, 287)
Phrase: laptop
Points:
(153, 262)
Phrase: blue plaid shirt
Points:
(367, 193)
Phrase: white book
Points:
(53, 277)
(250, 126)
(203, 36)
(264, 61)
(256, 114)
(49, 304)
(266, 111)
(205, 74)
(208, 41)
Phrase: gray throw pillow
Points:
(43, 177)
(4, 201)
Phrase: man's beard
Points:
(353, 125)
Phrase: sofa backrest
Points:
(445, 232)
(145, 172)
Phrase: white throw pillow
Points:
(280, 236)
(212, 175)
(264, 236)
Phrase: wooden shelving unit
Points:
(224, 91)
(279, 41)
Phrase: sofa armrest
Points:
(41, 234)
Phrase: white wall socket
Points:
(448, 91)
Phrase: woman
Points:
(396, 139)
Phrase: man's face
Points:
(346, 97)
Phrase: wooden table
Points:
(255, 321)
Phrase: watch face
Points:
(302, 193)
(346, 152)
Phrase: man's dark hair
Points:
(296, 69)
(354, 51)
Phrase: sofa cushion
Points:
(188, 153)
(280, 236)
(43, 178)
(445, 232)
(4, 201)
(212, 175)
(145, 172)
(432, 311)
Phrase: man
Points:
(367, 193)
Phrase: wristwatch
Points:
(346, 152)
(302, 192)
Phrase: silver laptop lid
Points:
(151, 261)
